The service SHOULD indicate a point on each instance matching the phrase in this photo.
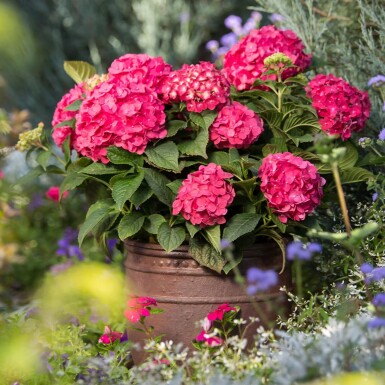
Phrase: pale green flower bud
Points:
(276, 59)
(91, 83)
(30, 139)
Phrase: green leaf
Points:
(124, 188)
(240, 224)
(196, 146)
(140, 196)
(170, 237)
(205, 119)
(346, 162)
(206, 255)
(219, 157)
(66, 123)
(74, 106)
(164, 156)
(66, 147)
(43, 158)
(79, 71)
(192, 229)
(30, 176)
(279, 240)
(233, 154)
(130, 224)
(120, 156)
(71, 181)
(174, 126)
(213, 236)
(101, 169)
(174, 186)
(234, 258)
(152, 223)
(95, 215)
(158, 184)
(356, 174)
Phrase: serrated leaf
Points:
(124, 188)
(174, 186)
(196, 146)
(206, 255)
(356, 174)
(66, 148)
(79, 71)
(346, 162)
(219, 157)
(140, 196)
(71, 181)
(74, 106)
(240, 224)
(234, 258)
(43, 158)
(170, 237)
(130, 224)
(192, 229)
(66, 123)
(205, 119)
(213, 236)
(174, 126)
(164, 156)
(120, 156)
(152, 223)
(101, 169)
(158, 184)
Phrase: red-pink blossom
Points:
(236, 126)
(341, 108)
(113, 115)
(61, 115)
(1, 175)
(109, 336)
(291, 185)
(212, 341)
(53, 193)
(138, 307)
(204, 196)
(201, 86)
(139, 69)
(243, 63)
(219, 312)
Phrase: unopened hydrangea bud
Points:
(30, 139)
(276, 59)
(364, 142)
(92, 82)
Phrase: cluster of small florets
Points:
(204, 196)
(236, 126)
(200, 86)
(342, 108)
(244, 63)
(30, 139)
(291, 185)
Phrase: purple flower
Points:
(276, 18)
(36, 202)
(66, 246)
(225, 244)
(257, 16)
(229, 39)
(376, 81)
(378, 273)
(376, 322)
(222, 50)
(381, 135)
(260, 280)
(379, 299)
(248, 26)
(212, 45)
(233, 22)
(366, 268)
(372, 274)
(375, 196)
(302, 252)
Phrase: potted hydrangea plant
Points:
(198, 158)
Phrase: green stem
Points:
(375, 151)
(298, 278)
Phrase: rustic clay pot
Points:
(187, 292)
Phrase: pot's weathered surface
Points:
(188, 292)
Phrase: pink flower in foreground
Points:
(218, 313)
(236, 126)
(138, 307)
(212, 341)
(53, 193)
(201, 86)
(243, 64)
(139, 69)
(61, 115)
(204, 196)
(109, 336)
(291, 185)
(341, 108)
(113, 115)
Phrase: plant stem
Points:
(298, 278)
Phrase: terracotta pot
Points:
(188, 292)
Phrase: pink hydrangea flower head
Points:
(204, 196)
(236, 126)
(61, 115)
(217, 314)
(109, 336)
(114, 115)
(53, 194)
(139, 68)
(341, 108)
(212, 341)
(243, 63)
(291, 185)
(138, 307)
(201, 86)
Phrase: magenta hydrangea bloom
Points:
(204, 196)
(139, 68)
(201, 86)
(236, 126)
(243, 63)
(341, 108)
(291, 185)
(114, 115)
(61, 115)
